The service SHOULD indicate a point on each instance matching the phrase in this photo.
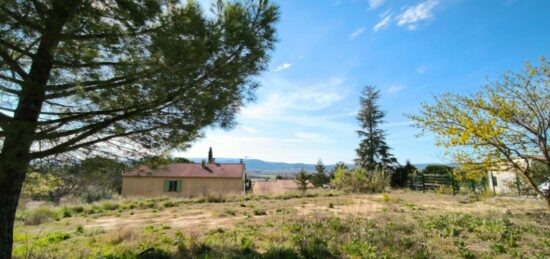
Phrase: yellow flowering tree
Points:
(507, 123)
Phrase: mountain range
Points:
(261, 167)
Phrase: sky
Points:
(327, 51)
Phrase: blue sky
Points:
(411, 50)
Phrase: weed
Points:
(78, 209)
(79, 229)
(168, 204)
(386, 197)
(259, 212)
(66, 212)
(110, 206)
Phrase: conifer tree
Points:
(373, 151)
(320, 177)
(301, 181)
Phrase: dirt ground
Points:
(212, 214)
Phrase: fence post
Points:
(453, 184)
(423, 184)
(517, 184)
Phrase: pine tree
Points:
(373, 152)
(210, 156)
(320, 177)
(81, 78)
(301, 181)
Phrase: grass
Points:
(392, 225)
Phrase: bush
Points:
(168, 204)
(110, 206)
(214, 198)
(80, 229)
(92, 195)
(259, 212)
(360, 180)
(66, 213)
(78, 209)
(39, 216)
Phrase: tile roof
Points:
(212, 170)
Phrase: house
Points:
(185, 179)
(504, 179)
(275, 187)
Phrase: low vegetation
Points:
(321, 224)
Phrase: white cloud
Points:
(309, 136)
(296, 97)
(385, 20)
(356, 33)
(421, 69)
(302, 104)
(249, 129)
(394, 89)
(282, 67)
(373, 4)
(411, 16)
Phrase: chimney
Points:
(241, 161)
(203, 163)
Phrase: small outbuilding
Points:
(185, 179)
(504, 179)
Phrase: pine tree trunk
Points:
(12, 175)
(15, 156)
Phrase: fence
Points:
(433, 182)
(425, 182)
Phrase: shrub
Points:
(259, 212)
(57, 237)
(78, 209)
(39, 216)
(229, 212)
(214, 198)
(153, 253)
(93, 195)
(66, 212)
(168, 204)
(360, 249)
(360, 180)
(79, 229)
(110, 206)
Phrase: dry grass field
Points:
(398, 224)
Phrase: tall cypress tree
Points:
(210, 156)
(373, 151)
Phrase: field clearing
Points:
(323, 225)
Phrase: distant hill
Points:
(260, 167)
(257, 165)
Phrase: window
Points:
(173, 186)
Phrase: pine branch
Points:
(12, 63)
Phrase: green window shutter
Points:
(179, 186)
(166, 185)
